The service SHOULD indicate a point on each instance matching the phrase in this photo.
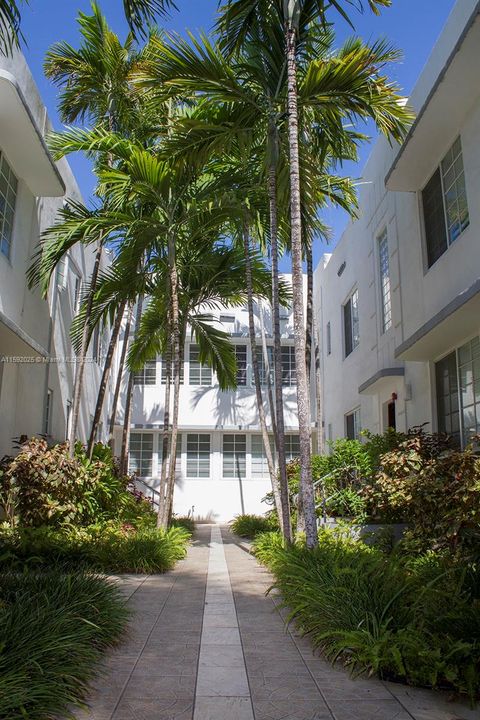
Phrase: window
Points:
(385, 282)
(62, 272)
(8, 196)
(289, 371)
(469, 381)
(47, 418)
(199, 374)
(259, 466)
(234, 456)
(292, 447)
(229, 322)
(261, 365)
(352, 425)
(351, 323)
(147, 375)
(76, 291)
(163, 373)
(444, 200)
(241, 358)
(198, 455)
(329, 339)
(141, 454)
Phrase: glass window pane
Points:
(8, 194)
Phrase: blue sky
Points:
(411, 25)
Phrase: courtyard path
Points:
(206, 643)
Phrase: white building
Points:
(397, 300)
(221, 467)
(399, 295)
(36, 372)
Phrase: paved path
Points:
(207, 644)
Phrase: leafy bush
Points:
(433, 488)
(109, 547)
(184, 521)
(54, 627)
(417, 623)
(249, 526)
(44, 486)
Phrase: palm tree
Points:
(95, 89)
(303, 22)
(210, 276)
(138, 13)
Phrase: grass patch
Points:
(105, 548)
(54, 627)
(412, 620)
(249, 526)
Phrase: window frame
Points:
(142, 435)
(289, 366)
(198, 439)
(149, 371)
(241, 372)
(235, 475)
(261, 465)
(7, 241)
(357, 423)
(354, 340)
(385, 290)
(442, 173)
(204, 371)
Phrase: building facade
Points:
(221, 465)
(399, 296)
(37, 367)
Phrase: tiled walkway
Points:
(207, 644)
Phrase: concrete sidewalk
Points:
(207, 644)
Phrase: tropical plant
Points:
(434, 488)
(240, 24)
(94, 82)
(416, 623)
(250, 526)
(54, 628)
(139, 13)
(104, 547)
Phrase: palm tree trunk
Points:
(318, 386)
(309, 323)
(128, 403)
(105, 375)
(80, 364)
(277, 357)
(268, 370)
(306, 493)
(171, 485)
(174, 314)
(256, 379)
(118, 384)
(162, 515)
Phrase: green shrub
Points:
(418, 623)
(249, 526)
(432, 487)
(43, 485)
(185, 522)
(107, 547)
(54, 627)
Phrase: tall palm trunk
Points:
(318, 385)
(176, 401)
(309, 322)
(277, 357)
(118, 384)
(256, 379)
(162, 514)
(80, 364)
(268, 369)
(105, 375)
(306, 493)
(128, 402)
(174, 314)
